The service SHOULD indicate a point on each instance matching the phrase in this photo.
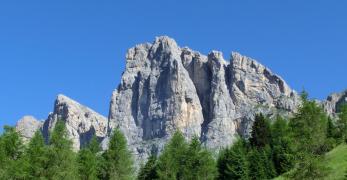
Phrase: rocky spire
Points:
(81, 122)
(156, 97)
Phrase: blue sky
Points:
(78, 47)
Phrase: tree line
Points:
(292, 148)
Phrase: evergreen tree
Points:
(283, 155)
(267, 157)
(94, 145)
(89, 161)
(118, 159)
(35, 156)
(12, 164)
(149, 170)
(61, 158)
(233, 163)
(260, 163)
(2, 157)
(12, 145)
(308, 129)
(261, 133)
(256, 165)
(332, 136)
(308, 126)
(342, 123)
(331, 129)
(198, 162)
(171, 161)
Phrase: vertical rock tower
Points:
(166, 88)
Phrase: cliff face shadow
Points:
(87, 136)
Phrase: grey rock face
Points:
(255, 89)
(210, 76)
(81, 122)
(27, 127)
(333, 101)
(167, 88)
(156, 97)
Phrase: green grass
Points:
(336, 161)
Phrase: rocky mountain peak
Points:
(165, 44)
(166, 88)
(82, 123)
(333, 101)
(27, 126)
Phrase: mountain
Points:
(81, 122)
(27, 126)
(332, 103)
(166, 88)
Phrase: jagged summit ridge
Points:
(81, 122)
(165, 88)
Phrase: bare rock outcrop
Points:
(167, 88)
(81, 122)
(156, 97)
(27, 127)
(333, 102)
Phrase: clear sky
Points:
(78, 47)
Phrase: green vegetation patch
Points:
(336, 160)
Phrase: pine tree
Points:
(12, 144)
(331, 129)
(2, 157)
(308, 126)
(89, 161)
(233, 163)
(171, 161)
(11, 153)
(256, 165)
(118, 159)
(260, 163)
(332, 136)
(342, 123)
(94, 145)
(61, 158)
(267, 157)
(198, 162)
(35, 156)
(308, 129)
(149, 170)
(261, 133)
(283, 155)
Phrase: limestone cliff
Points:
(81, 122)
(27, 126)
(332, 103)
(166, 88)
